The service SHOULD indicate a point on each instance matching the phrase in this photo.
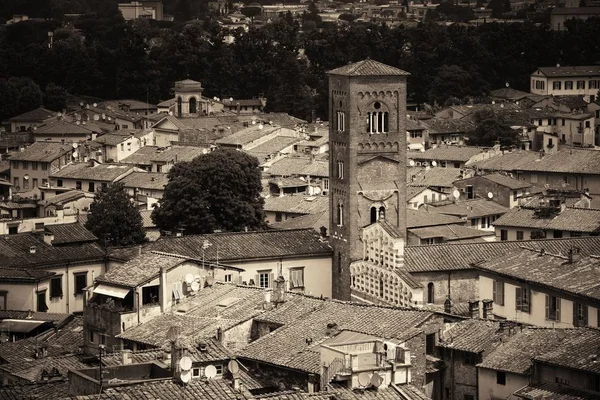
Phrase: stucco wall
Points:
(488, 388)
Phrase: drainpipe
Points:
(68, 291)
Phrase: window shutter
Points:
(547, 307)
(501, 289)
(494, 297)
(527, 300)
(257, 280)
(558, 309)
(240, 279)
(519, 298)
(271, 279)
(575, 316)
(301, 277)
(585, 315)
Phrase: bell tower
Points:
(367, 159)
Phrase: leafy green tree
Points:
(55, 97)
(219, 190)
(454, 81)
(114, 218)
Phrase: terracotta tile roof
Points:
(15, 252)
(420, 219)
(143, 156)
(507, 181)
(131, 103)
(450, 232)
(37, 115)
(114, 138)
(297, 204)
(62, 127)
(99, 172)
(516, 355)
(469, 209)
(441, 126)
(438, 177)
(272, 147)
(579, 70)
(57, 318)
(459, 256)
(447, 153)
(145, 180)
(553, 391)
(42, 152)
(300, 166)
(550, 271)
(243, 102)
(70, 233)
(178, 154)
(509, 93)
(368, 67)
(66, 197)
(474, 336)
(18, 275)
(234, 246)
(570, 219)
(287, 346)
(314, 221)
(248, 135)
(35, 391)
(32, 370)
(509, 161)
(287, 182)
(577, 351)
(140, 270)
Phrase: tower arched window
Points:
(381, 286)
(193, 105)
(382, 212)
(378, 121)
(373, 215)
(430, 293)
(340, 212)
(179, 106)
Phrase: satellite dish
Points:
(204, 151)
(77, 122)
(376, 379)
(103, 116)
(253, 122)
(411, 163)
(455, 194)
(493, 102)
(171, 113)
(96, 117)
(434, 163)
(490, 195)
(109, 118)
(75, 145)
(58, 114)
(185, 376)
(75, 154)
(210, 280)
(231, 99)
(260, 126)
(233, 367)
(210, 371)
(185, 363)
(195, 286)
(95, 104)
(507, 84)
(26, 177)
(363, 379)
(189, 278)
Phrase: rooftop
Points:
(113, 138)
(436, 177)
(460, 256)
(37, 115)
(447, 153)
(549, 270)
(236, 246)
(575, 351)
(248, 135)
(421, 218)
(64, 127)
(474, 336)
(314, 221)
(509, 161)
(506, 181)
(272, 147)
(561, 71)
(297, 204)
(570, 219)
(65, 197)
(42, 152)
(469, 209)
(553, 391)
(145, 180)
(99, 172)
(441, 126)
(301, 166)
(70, 233)
(368, 67)
(450, 232)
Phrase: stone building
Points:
(367, 142)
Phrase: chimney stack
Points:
(126, 356)
(220, 334)
(474, 308)
(488, 308)
(48, 238)
(448, 305)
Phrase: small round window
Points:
(377, 105)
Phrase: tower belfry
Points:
(367, 159)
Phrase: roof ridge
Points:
(240, 233)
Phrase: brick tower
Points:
(367, 159)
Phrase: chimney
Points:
(32, 249)
(332, 329)
(279, 292)
(574, 255)
(585, 201)
(220, 334)
(448, 305)
(267, 303)
(237, 108)
(126, 356)
(488, 308)
(29, 314)
(323, 231)
(164, 290)
(474, 308)
(48, 238)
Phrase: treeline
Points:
(109, 58)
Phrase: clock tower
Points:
(367, 159)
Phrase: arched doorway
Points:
(193, 106)
(179, 106)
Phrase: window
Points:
(228, 277)
(568, 85)
(297, 278)
(556, 85)
(278, 216)
(430, 293)
(378, 121)
(122, 146)
(557, 234)
(15, 165)
(34, 165)
(503, 234)
(498, 293)
(341, 121)
(196, 372)
(519, 235)
(177, 290)
(44, 166)
(91, 336)
(56, 287)
(264, 279)
(485, 222)
(35, 183)
(150, 295)
(587, 124)
(25, 164)
(563, 122)
(59, 182)
(580, 314)
(128, 146)
(580, 84)
(593, 85)
(91, 187)
(470, 194)
(533, 178)
(26, 182)
(325, 184)
(430, 344)
(469, 397)
(523, 296)
(39, 226)
(219, 369)
(340, 169)
(474, 222)
(500, 377)
(41, 301)
(552, 308)
(78, 185)
(16, 182)
(80, 282)
(340, 215)
(416, 134)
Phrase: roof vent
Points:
(32, 249)
(203, 347)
